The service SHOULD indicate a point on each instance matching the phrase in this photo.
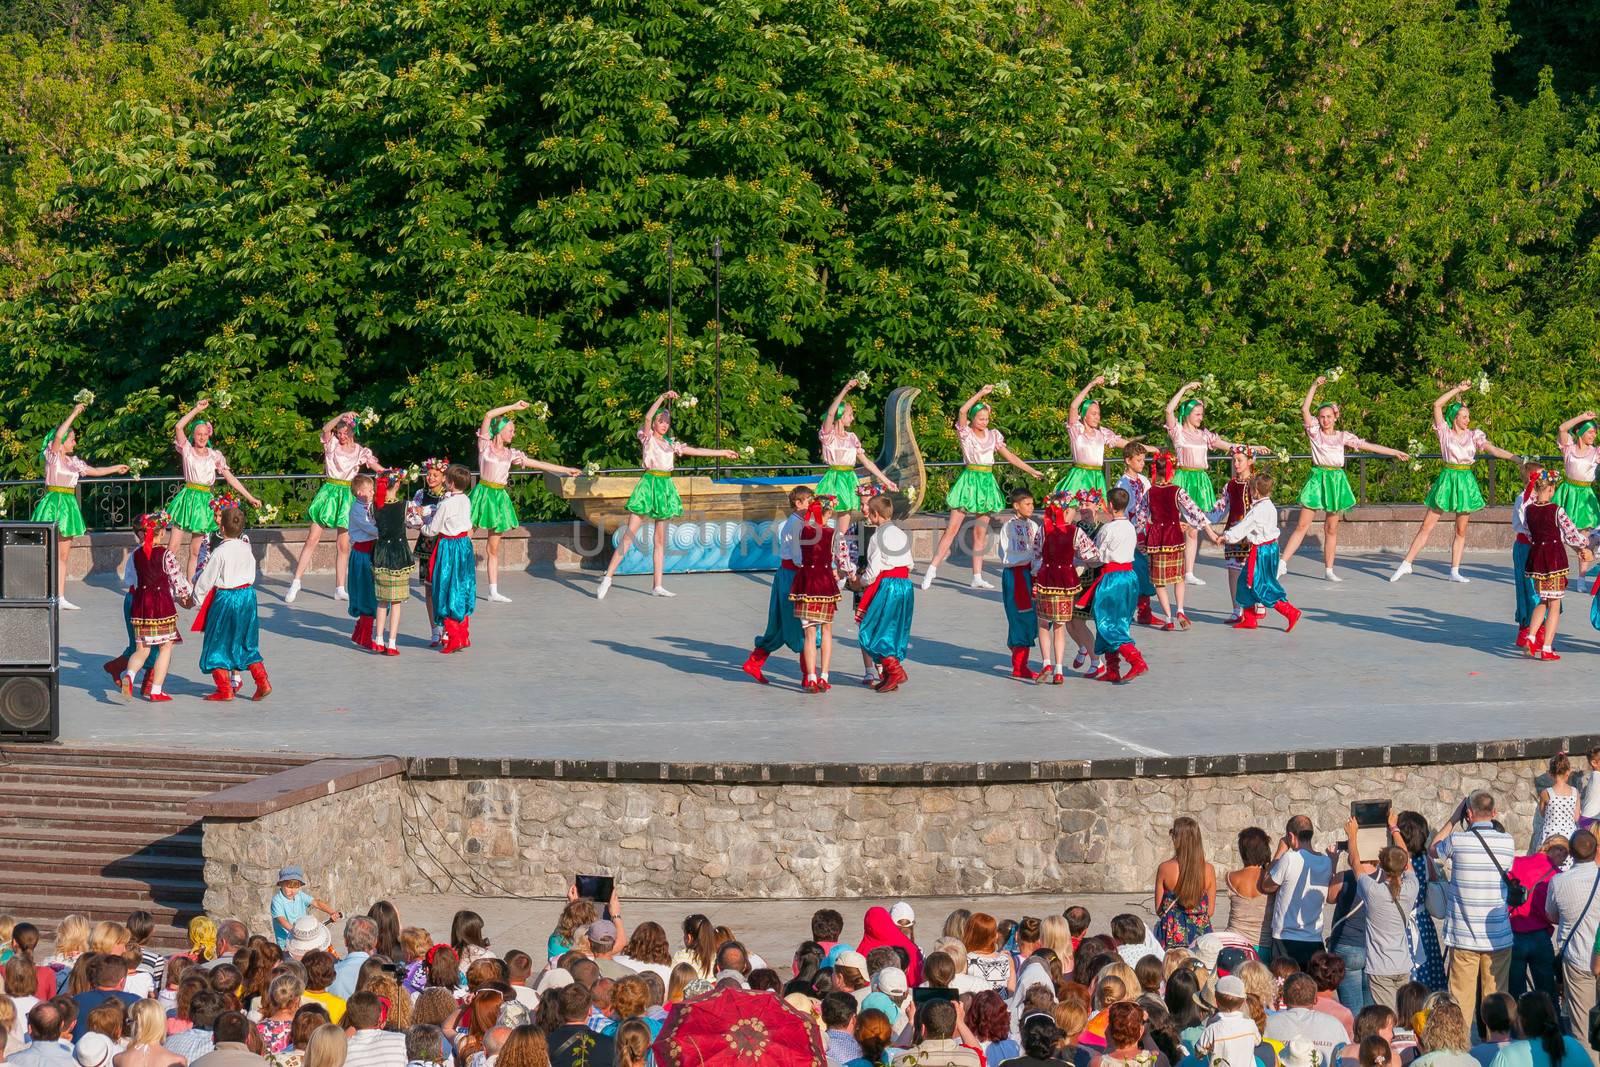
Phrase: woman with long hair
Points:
(388, 919)
(699, 946)
(1186, 888)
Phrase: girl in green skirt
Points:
(59, 505)
(1579, 457)
(1192, 445)
(655, 497)
(191, 510)
(1088, 440)
(976, 492)
(1328, 487)
(342, 458)
(842, 452)
(1456, 488)
(491, 504)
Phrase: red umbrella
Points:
(739, 1028)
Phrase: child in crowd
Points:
(1063, 545)
(815, 593)
(1259, 529)
(884, 615)
(455, 571)
(391, 564)
(1171, 512)
(227, 615)
(291, 902)
(1550, 531)
(1115, 592)
(1019, 556)
(1135, 483)
(783, 624)
(161, 587)
(423, 503)
(363, 531)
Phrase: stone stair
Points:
(103, 831)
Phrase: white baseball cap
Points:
(902, 914)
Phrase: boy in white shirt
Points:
(1019, 558)
(887, 595)
(1259, 583)
(783, 625)
(1232, 1036)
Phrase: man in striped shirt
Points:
(1477, 924)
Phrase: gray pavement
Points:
(558, 674)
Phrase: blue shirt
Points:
(345, 973)
(290, 910)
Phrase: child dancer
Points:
(1579, 457)
(491, 504)
(391, 564)
(975, 492)
(1115, 592)
(816, 593)
(227, 615)
(887, 596)
(1172, 515)
(842, 452)
(455, 570)
(1328, 487)
(783, 625)
(1456, 487)
(1137, 485)
(1019, 555)
(1527, 592)
(1056, 586)
(1235, 500)
(342, 457)
(59, 505)
(191, 509)
(1549, 530)
(655, 497)
(155, 607)
(363, 539)
(1192, 443)
(1259, 529)
(423, 503)
(1088, 440)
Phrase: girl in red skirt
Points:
(1170, 507)
(1550, 531)
(161, 587)
(1057, 584)
(815, 592)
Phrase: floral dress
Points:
(1429, 968)
(1180, 927)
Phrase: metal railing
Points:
(114, 503)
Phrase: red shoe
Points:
(1183, 621)
(159, 698)
(753, 662)
(1136, 663)
(1113, 671)
(1521, 642)
(224, 683)
(1247, 621)
(258, 672)
(1290, 613)
(115, 668)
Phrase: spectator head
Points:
(1124, 1025)
(231, 937)
(1480, 806)
(425, 1044)
(108, 1018)
(838, 1010)
(1077, 918)
(232, 1026)
(1128, 930)
(1255, 847)
(1299, 828)
(1328, 969)
(360, 933)
(329, 1046)
(363, 1011)
(1300, 990)
(826, 925)
(938, 1020)
(205, 1008)
(1375, 1052)
(732, 957)
(1583, 846)
(873, 1029)
(982, 935)
(1498, 1011)
(575, 1001)
(319, 967)
(1446, 1028)
(44, 1022)
(1379, 1020)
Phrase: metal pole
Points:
(671, 270)
(716, 254)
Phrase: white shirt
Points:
(1116, 541)
(453, 516)
(362, 528)
(1302, 877)
(1258, 527)
(889, 548)
(789, 539)
(230, 565)
(1019, 542)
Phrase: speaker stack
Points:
(29, 634)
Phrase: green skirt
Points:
(842, 485)
(1083, 478)
(1198, 485)
(976, 492)
(1578, 501)
(191, 510)
(61, 509)
(1327, 489)
(1456, 491)
(655, 497)
(330, 508)
(491, 508)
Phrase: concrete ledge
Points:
(297, 785)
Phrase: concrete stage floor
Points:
(558, 674)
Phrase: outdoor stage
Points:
(559, 675)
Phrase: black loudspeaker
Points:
(27, 561)
(30, 641)
(30, 707)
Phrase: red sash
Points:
(1022, 587)
(1110, 568)
(364, 547)
(872, 590)
(1250, 562)
(205, 607)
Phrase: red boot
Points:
(893, 675)
(1113, 671)
(1290, 613)
(1136, 663)
(362, 635)
(1019, 664)
(1248, 620)
(753, 662)
(258, 671)
(117, 666)
(1144, 615)
(224, 686)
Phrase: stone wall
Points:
(349, 842)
